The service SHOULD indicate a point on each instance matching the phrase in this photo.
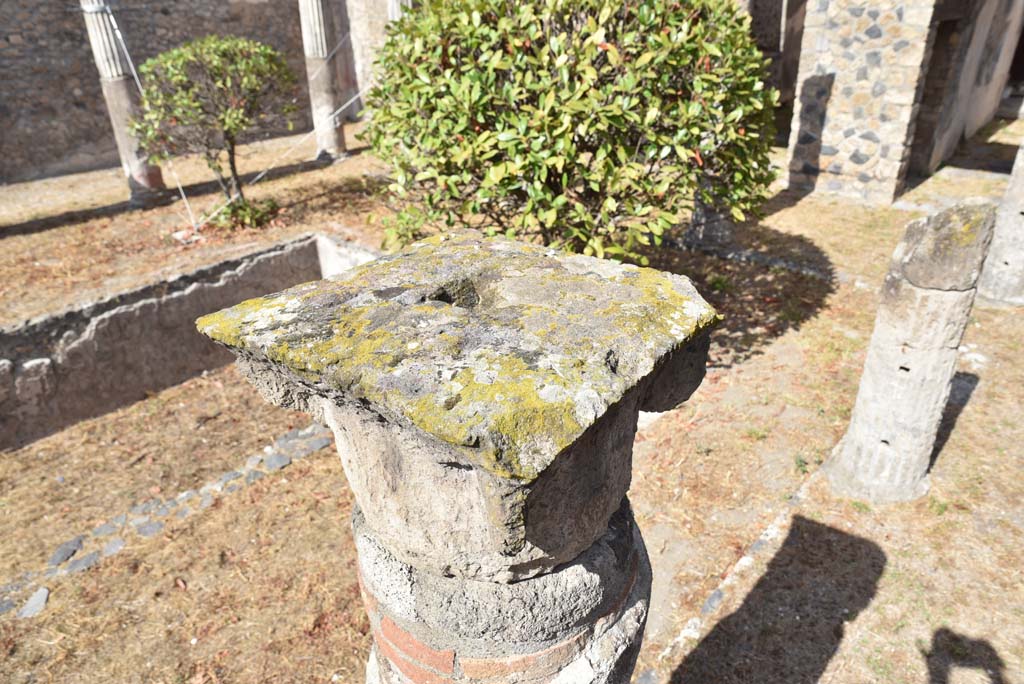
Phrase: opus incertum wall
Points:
(78, 364)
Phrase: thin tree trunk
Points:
(219, 175)
(236, 184)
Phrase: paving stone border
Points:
(149, 518)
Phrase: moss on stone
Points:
(495, 347)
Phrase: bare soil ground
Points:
(73, 239)
(70, 482)
(926, 593)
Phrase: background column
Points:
(121, 95)
(319, 41)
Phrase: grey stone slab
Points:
(316, 444)
(65, 551)
(253, 476)
(150, 528)
(35, 604)
(106, 529)
(83, 562)
(6, 606)
(113, 546)
(277, 461)
(229, 477)
(712, 602)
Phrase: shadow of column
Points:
(960, 394)
(805, 162)
(793, 620)
(950, 650)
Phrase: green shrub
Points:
(203, 96)
(587, 124)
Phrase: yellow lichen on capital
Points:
(506, 351)
(226, 326)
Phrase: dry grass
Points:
(848, 594)
(61, 249)
(76, 479)
(260, 588)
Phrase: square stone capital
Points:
(506, 357)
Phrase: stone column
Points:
(121, 95)
(484, 395)
(1002, 279)
(926, 302)
(318, 41)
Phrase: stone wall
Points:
(989, 40)
(81, 363)
(51, 108)
(861, 68)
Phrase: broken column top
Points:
(505, 350)
(945, 251)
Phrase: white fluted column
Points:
(319, 41)
(121, 95)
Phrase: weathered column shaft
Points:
(1002, 279)
(121, 96)
(911, 359)
(484, 396)
(319, 41)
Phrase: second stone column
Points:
(484, 395)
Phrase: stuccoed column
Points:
(318, 42)
(484, 394)
(926, 303)
(121, 96)
(1002, 279)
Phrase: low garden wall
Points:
(81, 363)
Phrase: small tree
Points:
(589, 124)
(203, 96)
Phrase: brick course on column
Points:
(484, 397)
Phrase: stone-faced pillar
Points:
(1002, 279)
(861, 71)
(121, 96)
(484, 395)
(318, 42)
(926, 302)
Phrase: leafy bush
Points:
(243, 214)
(589, 124)
(203, 96)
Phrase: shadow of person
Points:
(793, 620)
(960, 394)
(770, 282)
(950, 650)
